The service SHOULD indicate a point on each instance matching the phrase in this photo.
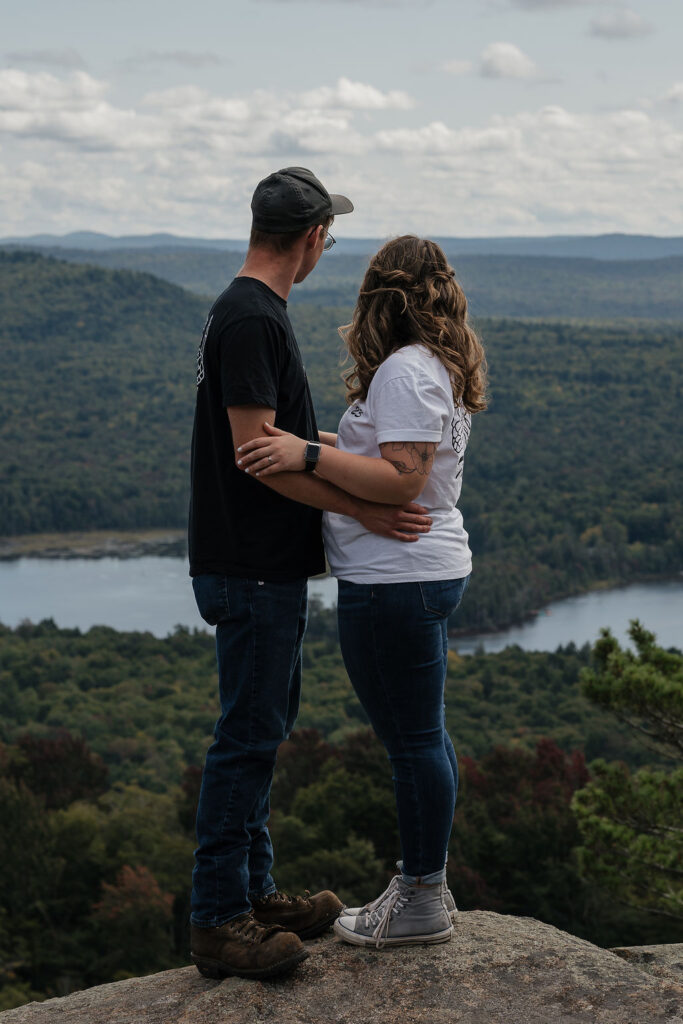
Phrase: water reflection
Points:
(154, 593)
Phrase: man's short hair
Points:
(282, 243)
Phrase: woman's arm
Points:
(327, 438)
(398, 476)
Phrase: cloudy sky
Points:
(448, 117)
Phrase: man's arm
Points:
(327, 438)
(386, 520)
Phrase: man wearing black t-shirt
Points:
(253, 545)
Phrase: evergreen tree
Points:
(632, 824)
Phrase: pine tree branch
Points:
(650, 830)
(629, 855)
(649, 910)
(658, 741)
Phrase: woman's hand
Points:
(280, 452)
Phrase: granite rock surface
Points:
(496, 970)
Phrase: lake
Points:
(154, 593)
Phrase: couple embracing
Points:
(267, 487)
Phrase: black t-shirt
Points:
(238, 526)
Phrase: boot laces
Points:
(251, 930)
(279, 896)
(381, 918)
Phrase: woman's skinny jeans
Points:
(395, 648)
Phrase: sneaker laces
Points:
(377, 903)
(381, 918)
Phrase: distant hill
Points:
(96, 388)
(572, 477)
(528, 286)
(602, 247)
(95, 241)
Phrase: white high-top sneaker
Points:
(409, 915)
(448, 900)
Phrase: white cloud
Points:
(550, 170)
(186, 160)
(505, 60)
(620, 24)
(356, 96)
(69, 110)
(674, 94)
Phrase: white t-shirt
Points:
(409, 399)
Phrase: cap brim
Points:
(340, 204)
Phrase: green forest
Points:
(102, 735)
(572, 477)
(526, 286)
(568, 807)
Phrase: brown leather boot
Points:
(306, 916)
(245, 947)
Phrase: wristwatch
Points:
(311, 455)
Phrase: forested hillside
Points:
(147, 705)
(96, 386)
(573, 477)
(528, 286)
(101, 738)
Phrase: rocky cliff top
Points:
(496, 970)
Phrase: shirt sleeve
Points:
(410, 408)
(251, 353)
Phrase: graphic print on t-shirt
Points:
(200, 353)
(461, 425)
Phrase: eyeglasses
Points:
(329, 242)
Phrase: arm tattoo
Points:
(418, 456)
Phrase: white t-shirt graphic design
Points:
(409, 399)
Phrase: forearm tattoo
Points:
(411, 456)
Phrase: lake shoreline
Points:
(131, 544)
(566, 595)
(95, 544)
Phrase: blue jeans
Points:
(395, 648)
(259, 632)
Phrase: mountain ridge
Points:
(615, 245)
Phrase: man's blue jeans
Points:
(395, 648)
(259, 632)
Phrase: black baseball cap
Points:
(292, 199)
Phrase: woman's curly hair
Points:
(410, 294)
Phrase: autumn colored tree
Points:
(632, 823)
(134, 920)
(514, 831)
(62, 768)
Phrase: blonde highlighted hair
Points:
(409, 295)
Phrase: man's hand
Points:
(400, 523)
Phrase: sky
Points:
(442, 117)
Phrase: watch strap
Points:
(311, 455)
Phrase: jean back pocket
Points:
(442, 597)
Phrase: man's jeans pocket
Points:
(211, 595)
(442, 597)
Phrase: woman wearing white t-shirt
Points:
(418, 375)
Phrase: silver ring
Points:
(270, 458)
